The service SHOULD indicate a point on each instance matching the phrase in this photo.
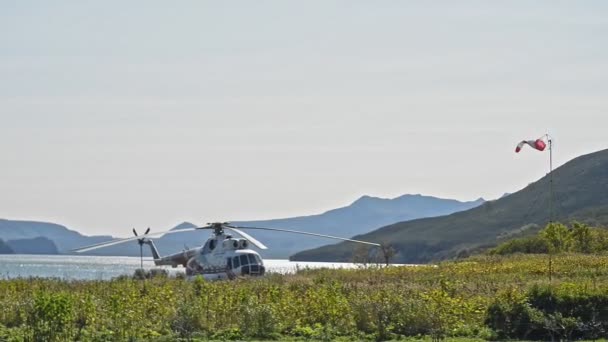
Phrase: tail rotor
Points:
(141, 246)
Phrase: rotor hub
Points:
(218, 228)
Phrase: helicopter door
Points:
(229, 260)
(236, 262)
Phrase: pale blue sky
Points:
(118, 114)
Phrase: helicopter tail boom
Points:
(153, 249)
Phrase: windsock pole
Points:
(540, 145)
(550, 178)
(550, 141)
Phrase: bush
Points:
(140, 274)
(558, 238)
(511, 316)
(560, 313)
(529, 245)
(51, 317)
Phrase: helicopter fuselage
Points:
(221, 257)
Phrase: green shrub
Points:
(511, 316)
(558, 238)
(51, 317)
(559, 312)
(529, 245)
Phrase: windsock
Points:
(538, 144)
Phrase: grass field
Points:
(480, 298)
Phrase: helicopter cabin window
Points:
(244, 260)
(236, 262)
(211, 244)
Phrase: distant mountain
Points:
(581, 193)
(171, 243)
(29, 237)
(37, 245)
(167, 244)
(63, 238)
(363, 215)
(5, 249)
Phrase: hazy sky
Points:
(118, 114)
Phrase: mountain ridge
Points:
(65, 239)
(580, 188)
(37, 245)
(362, 215)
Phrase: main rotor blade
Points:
(312, 234)
(251, 239)
(119, 241)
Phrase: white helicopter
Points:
(221, 257)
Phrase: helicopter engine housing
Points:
(231, 244)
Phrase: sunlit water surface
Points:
(82, 267)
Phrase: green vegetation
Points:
(558, 238)
(580, 187)
(483, 297)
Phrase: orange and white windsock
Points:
(538, 144)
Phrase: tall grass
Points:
(487, 297)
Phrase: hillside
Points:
(62, 237)
(5, 249)
(363, 215)
(37, 245)
(581, 193)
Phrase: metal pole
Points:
(550, 203)
(551, 213)
(141, 263)
(141, 256)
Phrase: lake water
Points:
(82, 267)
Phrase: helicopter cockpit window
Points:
(252, 260)
(246, 259)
